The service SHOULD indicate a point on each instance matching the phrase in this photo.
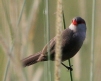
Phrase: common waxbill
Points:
(72, 40)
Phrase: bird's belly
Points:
(69, 53)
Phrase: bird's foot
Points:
(68, 67)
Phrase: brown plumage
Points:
(72, 40)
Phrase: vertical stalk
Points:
(69, 59)
(48, 37)
(92, 42)
(59, 24)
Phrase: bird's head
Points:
(78, 24)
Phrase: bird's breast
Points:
(72, 45)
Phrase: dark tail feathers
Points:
(31, 59)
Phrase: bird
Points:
(72, 40)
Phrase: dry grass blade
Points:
(59, 24)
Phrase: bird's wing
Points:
(44, 50)
(66, 38)
(51, 45)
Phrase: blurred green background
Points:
(22, 33)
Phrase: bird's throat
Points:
(72, 27)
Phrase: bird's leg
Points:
(68, 67)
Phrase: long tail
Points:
(31, 59)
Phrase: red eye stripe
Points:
(74, 22)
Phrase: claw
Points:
(68, 67)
